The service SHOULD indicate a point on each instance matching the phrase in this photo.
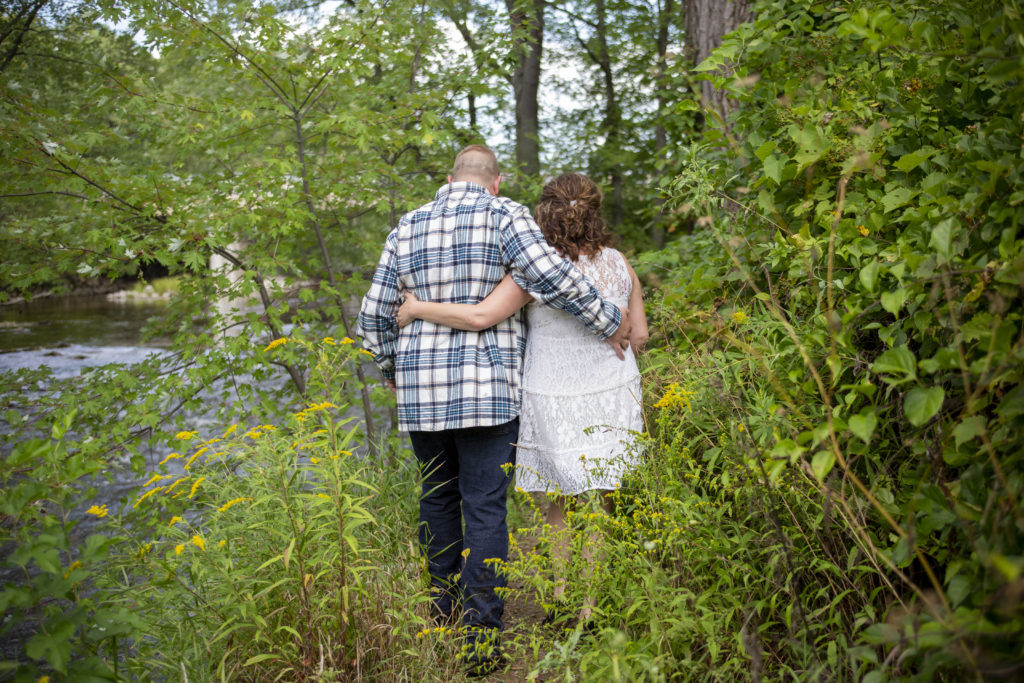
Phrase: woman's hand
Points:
(407, 311)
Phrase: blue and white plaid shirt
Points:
(456, 249)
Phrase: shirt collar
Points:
(463, 186)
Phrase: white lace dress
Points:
(581, 404)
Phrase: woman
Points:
(581, 404)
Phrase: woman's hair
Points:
(569, 215)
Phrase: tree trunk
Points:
(706, 22)
(527, 21)
(665, 11)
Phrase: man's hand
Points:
(391, 385)
(620, 340)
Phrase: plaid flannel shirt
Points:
(456, 249)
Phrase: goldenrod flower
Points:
(195, 486)
(147, 494)
(74, 565)
(155, 477)
(739, 317)
(199, 542)
(368, 353)
(185, 436)
(43, 679)
(674, 396)
(174, 520)
(195, 455)
(314, 460)
(230, 430)
(348, 340)
(222, 544)
(178, 548)
(863, 230)
(323, 495)
(98, 510)
(274, 344)
(172, 456)
(329, 340)
(234, 501)
(173, 484)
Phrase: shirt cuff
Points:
(615, 315)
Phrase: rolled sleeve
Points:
(378, 313)
(551, 279)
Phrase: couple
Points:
(472, 385)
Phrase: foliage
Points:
(262, 552)
(854, 292)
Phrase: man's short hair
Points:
(475, 162)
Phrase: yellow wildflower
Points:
(43, 679)
(147, 494)
(196, 486)
(330, 341)
(222, 544)
(144, 550)
(198, 542)
(178, 548)
(739, 317)
(863, 230)
(210, 442)
(174, 520)
(155, 477)
(174, 483)
(233, 501)
(98, 510)
(323, 495)
(674, 396)
(195, 455)
(172, 456)
(348, 340)
(314, 460)
(274, 344)
(230, 430)
(368, 353)
(74, 565)
(253, 433)
(185, 436)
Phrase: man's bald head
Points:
(477, 164)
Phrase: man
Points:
(458, 392)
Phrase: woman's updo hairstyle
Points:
(569, 215)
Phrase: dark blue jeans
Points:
(466, 473)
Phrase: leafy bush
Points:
(848, 314)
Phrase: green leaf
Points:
(863, 426)
(765, 150)
(969, 428)
(822, 463)
(896, 198)
(921, 404)
(942, 238)
(893, 301)
(869, 275)
(913, 159)
(811, 145)
(773, 166)
(897, 361)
